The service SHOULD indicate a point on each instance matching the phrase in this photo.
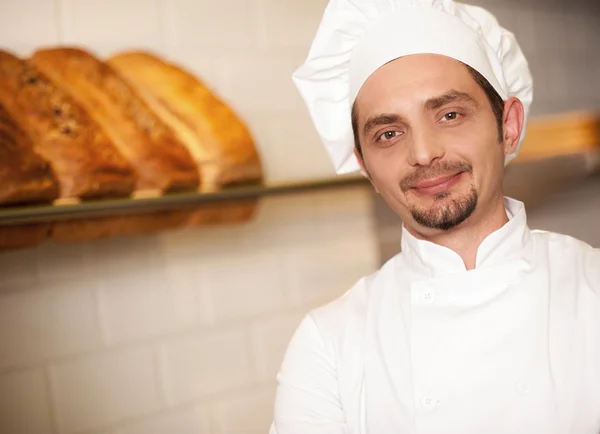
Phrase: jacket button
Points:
(429, 403)
(428, 297)
(523, 387)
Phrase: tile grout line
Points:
(50, 396)
(159, 373)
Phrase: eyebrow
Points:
(383, 119)
(431, 104)
(451, 96)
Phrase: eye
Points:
(450, 116)
(388, 135)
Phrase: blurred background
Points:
(183, 331)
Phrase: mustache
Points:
(444, 168)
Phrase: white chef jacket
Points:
(424, 346)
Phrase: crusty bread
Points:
(25, 177)
(83, 159)
(161, 161)
(217, 138)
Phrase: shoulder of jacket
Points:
(582, 258)
(350, 309)
(561, 241)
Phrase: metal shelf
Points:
(109, 207)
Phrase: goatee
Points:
(448, 215)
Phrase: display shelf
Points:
(110, 207)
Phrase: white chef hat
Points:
(356, 37)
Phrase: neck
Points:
(466, 238)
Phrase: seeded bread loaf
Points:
(161, 161)
(217, 138)
(83, 159)
(25, 177)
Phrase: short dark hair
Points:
(493, 97)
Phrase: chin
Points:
(446, 210)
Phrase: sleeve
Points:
(307, 399)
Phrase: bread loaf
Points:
(217, 138)
(25, 177)
(161, 161)
(82, 158)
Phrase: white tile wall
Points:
(157, 304)
(258, 82)
(244, 293)
(177, 332)
(183, 332)
(276, 132)
(188, 420)
(310, 283)
(102, 389)
(248, 412)
(213, 26)
(25, 24)
(291, 23)
(24, 404)
(203, 364)
(574, 212)
(111, 23)
(557, 38)
(49, 321)
(17, 271)
(269, 338)
(50, 257)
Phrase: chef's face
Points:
(430, 141)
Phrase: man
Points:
(480, 325)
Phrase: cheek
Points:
(476, 143)
(386, 177)
(385, 159)
(385, 166)
(486, 158)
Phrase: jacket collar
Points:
(501, 246)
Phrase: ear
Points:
(513, 121)
(361, 163)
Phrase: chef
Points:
(480, 324)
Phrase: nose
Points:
(425, 147)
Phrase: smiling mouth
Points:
(437, 185)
